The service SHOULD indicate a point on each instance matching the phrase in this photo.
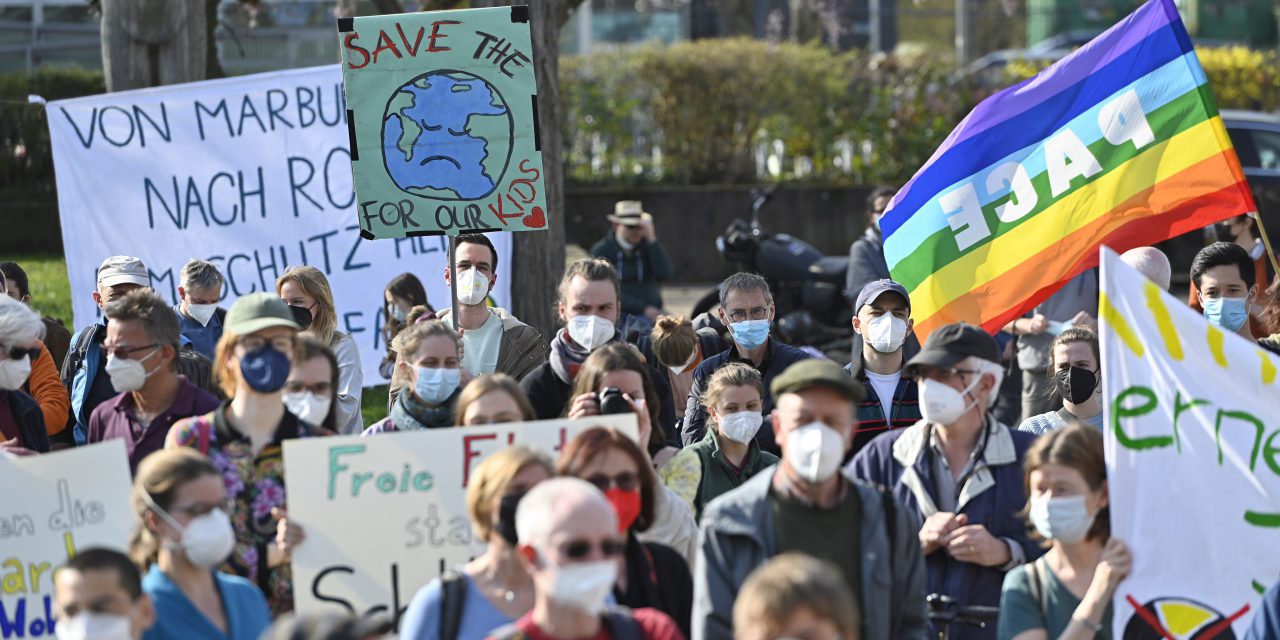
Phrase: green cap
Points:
(817, 372)
(258, 311)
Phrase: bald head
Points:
(1152, 263)
(565, 505)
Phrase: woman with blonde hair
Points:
(182, 533)
(728, 454)
(679, 349)
(492, 398)
(429, 368)
(306, 291)
(493, 590)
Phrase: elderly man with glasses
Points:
(958, 471)
(746, 307)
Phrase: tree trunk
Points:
(147, 43)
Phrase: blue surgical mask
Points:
(1228, 313)
(750, 334)
(434, 386)
(265, 370)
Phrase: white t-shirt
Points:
(884, 387)
(481, 346)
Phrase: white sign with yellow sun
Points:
(1193, 454)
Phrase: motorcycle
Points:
(807, 286)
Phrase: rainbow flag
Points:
(1117, 144)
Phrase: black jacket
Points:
(658, 578)
(550, 396)
(30, 419)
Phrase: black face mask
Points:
(1077, 384)
(302, 316)
(506, 524)
(1223, 231)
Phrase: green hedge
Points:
(26, 163)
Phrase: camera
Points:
(612, 401)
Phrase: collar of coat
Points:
(910, 448)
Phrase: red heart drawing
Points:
(535, 220)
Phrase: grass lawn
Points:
(50, 289)
(373, 403)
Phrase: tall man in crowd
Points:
(495, 340)
(142, 344)
(1226, 284)
(589, 297)
(806, 505)
(866, 254)
(746, 308)
(84, 372)
(566, 526)
(883, 323)
(199, 316)
(56, 337)
(641, 261)
(958, 472)
(1242, 230)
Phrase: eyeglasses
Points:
(579, 549)
(322, 389)
(627, 481)
(197, 510)
(125, 353)
(283, 344)
(16, 353)
(755, 313)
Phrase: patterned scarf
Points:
(567, 356)
(411, 414)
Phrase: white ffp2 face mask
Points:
(201, 312)
(814, 451)
(207, 540)
(584, 585)
(473, 287)
(129, 375)
(13, 373)
(590, 332)
(307, 406)
(885, 333)
(741, 426)
(94, 626)
(940, 403)
(1066, 519)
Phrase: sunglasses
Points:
(16, 353)
(626, 481)
(579, 549)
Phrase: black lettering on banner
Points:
(324, 248)
(350, 264)
(221, 108)
(297, 186)
(315, 587)
(247, 110)
(344, 167)
(273, 110)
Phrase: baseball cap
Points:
(818, 372)
(123, 270)
(258, 311)
(952, 343)
(873, 290)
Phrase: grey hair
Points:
(18, 323)
(743, 281)
(534, 524)
(987, 367)
(201, 274)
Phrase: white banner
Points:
(387, 513)
(1193, 451)
(53, 505)
(252, 173)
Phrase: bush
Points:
(26, 161)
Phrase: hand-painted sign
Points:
(443, 117)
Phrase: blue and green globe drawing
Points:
(447, 135)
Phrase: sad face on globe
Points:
(447, 135)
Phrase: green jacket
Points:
(640, 271)
(718, 476)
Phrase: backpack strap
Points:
(622, 625)
(1035, 575)
(453, 598)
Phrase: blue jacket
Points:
(79, 371)
(992, 496)
(1266, 622)
(177, 617)
(780, 357)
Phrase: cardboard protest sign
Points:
(385, 514)
(443, 118)
(55, 504)
(1193, 420)
(249, 173)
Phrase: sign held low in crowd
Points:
(443, 122)
(165, 174)
(1194, 470)
(69, 500)
(385, 514)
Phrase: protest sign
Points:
(250, 173)
(1119, 143)
(443, 118)
(385, 514)
(55, 504)
(1193, 418)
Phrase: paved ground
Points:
(678, 298)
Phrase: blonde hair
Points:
(407, 342)
(222, 355)
(324, 320)
(159, 477)
(732, 374)
(790, 582)
(673, 340)
(490, 480)
(492, 382)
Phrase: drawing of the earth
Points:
(447, 135)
